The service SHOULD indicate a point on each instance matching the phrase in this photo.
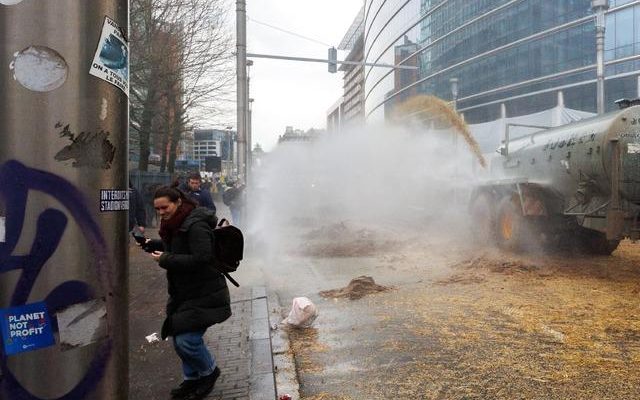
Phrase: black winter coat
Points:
(198, 293)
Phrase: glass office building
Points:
(514, 52)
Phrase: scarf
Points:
(168, 227)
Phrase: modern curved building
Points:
(519, 53)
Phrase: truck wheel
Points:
(483, 220)
(511, 225)
(595, 242)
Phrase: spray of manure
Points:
(434, 107)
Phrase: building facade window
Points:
(498, 49)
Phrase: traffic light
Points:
(333, 58)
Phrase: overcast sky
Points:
(291, 93)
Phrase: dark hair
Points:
(173, 194)
(195, 176)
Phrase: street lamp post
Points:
(241, 71)
(248, 125)
(227, 160)
(454, 105)
(599, 7)
(249, 140)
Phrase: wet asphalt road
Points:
(461, 322)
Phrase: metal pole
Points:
(454, 96)
(249, 139)
(454, 92)
(503, 118)
(64, 199)
(241, 70)
(227, 161)
(454, 105)
(248, 126)
(249, 173)
(638, 89)
(599, 7)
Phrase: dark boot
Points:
(186, 387)
(204, 386)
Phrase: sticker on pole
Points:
(26, 328)
(114, 200)
(111, 62)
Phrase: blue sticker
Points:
(26, 328)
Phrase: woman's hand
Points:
(156, 255)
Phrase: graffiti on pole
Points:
(16, 181)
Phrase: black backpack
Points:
(229, 196)
(229, 246)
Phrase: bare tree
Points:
(181, 64)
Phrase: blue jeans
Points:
(196, 359)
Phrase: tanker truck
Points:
(575, 185)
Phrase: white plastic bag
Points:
(303, 313)
(153, 338)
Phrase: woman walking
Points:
(198, 293)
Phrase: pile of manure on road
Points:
(356, 289)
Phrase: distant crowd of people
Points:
(142, 213)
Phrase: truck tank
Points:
(579, 181)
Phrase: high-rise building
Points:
(335, 116)
(352, 107)
(215, 143)
(519, 53)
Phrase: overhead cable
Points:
(289, 32)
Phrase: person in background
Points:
(201, 196)
(233, 197)
(206, 185)
(198, 292)
(137, 212)
(219, 188)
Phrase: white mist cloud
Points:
(375, 177)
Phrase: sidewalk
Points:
(243, 349)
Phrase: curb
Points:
(286, 376)
(262, 381)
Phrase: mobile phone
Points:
(142, 240)
(139, 238)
